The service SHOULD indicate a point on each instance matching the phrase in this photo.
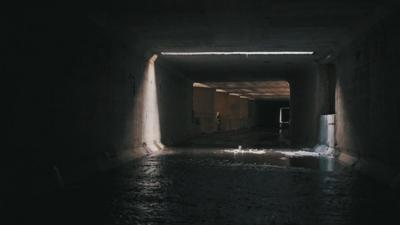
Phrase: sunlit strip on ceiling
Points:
(238, 53)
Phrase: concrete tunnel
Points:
(227, 112)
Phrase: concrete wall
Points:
(251, 113)
(326, 89)
(221, 106)
(304, 115)
(244, 113)
(233, 116)
(234, 111)
(78, 98)
(236, 114)
(311, 95)
(74, 88)
(367, 96)
(204, 109)
(175, 104)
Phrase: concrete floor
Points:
(213, 186)
(247, 138)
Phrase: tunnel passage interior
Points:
(252, 109)
(221, 93)
(99, 127)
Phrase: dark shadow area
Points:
(267, 113)
(215, 187)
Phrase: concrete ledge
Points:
(372, 168)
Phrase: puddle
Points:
(264, 157)
(213, 186)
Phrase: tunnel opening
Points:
(235, 102)
(238, 104)
(194, 110)
(193, 86)
(244, 113)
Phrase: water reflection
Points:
(211, 186)
(327, 163)
(215, 186)
(287, 157)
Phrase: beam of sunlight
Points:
(200, 85)
(234, 94)
(246, 151)
(299, 153)
(240, 53)
(151, 134)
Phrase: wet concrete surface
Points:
(248, 138)
(214, 186)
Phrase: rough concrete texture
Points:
(304, 112)
(74, 99)
(85, 104)
(260, 90)
(204, 109)
(251, 113)
(367, 98)
(234, 111)
(311, 95)
(221, 106)
(175, 105)
(243, 113)
(233, 115)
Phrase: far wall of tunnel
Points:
(234, 112)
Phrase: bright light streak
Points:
(234, 94)
(151, 134)
(248, 151)
(239, 53)
(299, 153)
(200, 85)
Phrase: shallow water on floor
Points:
(212, 186)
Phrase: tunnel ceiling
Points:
(260, 90)
(232, 25)
(238, 67)
(323, 26)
